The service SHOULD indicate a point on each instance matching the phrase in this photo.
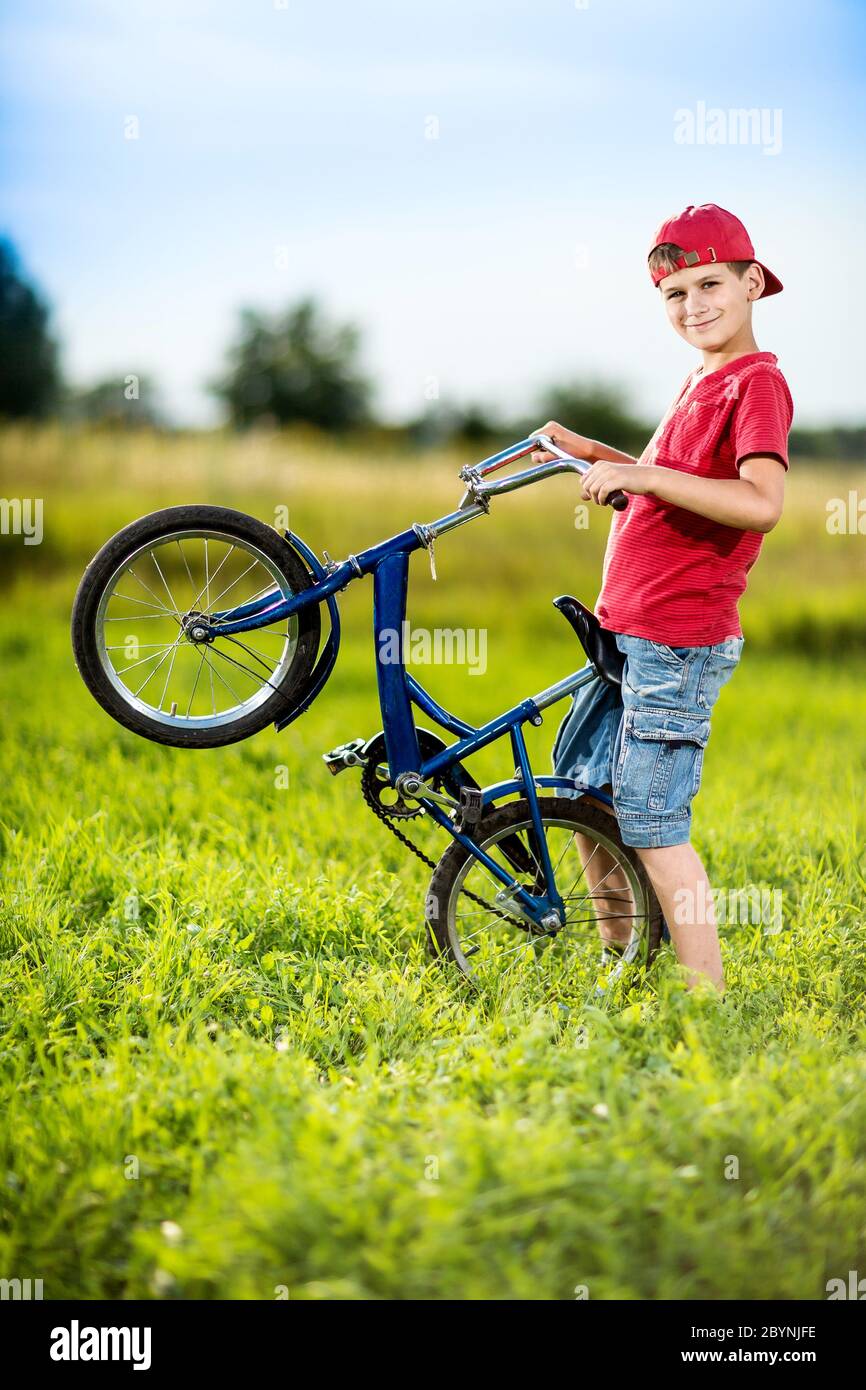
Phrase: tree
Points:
(29, 374)
(445, 424)
(597, 410)
(127, 402)
(295, 367)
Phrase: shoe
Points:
(617, 951)
(612, 953)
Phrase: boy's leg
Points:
(582, 749)
(683, 890)
(604, 879)
(668, 696)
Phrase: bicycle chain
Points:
(383, 816)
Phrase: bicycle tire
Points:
(223, 522)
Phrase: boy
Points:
(707, 487)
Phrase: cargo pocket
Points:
(660, 760)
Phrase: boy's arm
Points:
(752, 502)
(603, 453)
(580, 446)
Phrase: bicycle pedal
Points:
(470, 809)
(345, 755)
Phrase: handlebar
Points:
(618, 500)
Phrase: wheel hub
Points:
(195, 629)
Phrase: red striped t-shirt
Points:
(673, 576)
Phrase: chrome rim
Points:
(146, 620)
(486, 947)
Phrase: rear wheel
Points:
(138, 640)
(489, 945)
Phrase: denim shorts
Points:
(646, 739)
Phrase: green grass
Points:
(228, 1069)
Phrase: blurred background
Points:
(427, 218)
(243, 248)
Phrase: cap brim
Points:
(772, 284)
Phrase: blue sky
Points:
(284, 149)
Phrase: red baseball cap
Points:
(706, 234)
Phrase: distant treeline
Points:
(296, 367)
(840, 443)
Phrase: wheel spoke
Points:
(159, 665)
(195, 682)
(258, 656)
(186, 567)
(124, 669)
(138, 617)
(209, 579)
(158, 603)
(260, 593)
(129, 599)
(165, 584)
(219, 676)
(213, 603)
(224, 656)
(167, 679)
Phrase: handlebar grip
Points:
(618, 500)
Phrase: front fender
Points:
(328, 655)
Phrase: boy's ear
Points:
(755, 281)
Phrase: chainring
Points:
(378, 792)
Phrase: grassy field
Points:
(227, 1067)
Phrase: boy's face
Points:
(708, 305)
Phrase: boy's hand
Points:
(605, 478)
(575, 444)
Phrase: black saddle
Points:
(598, 643)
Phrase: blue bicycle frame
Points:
(388, 562)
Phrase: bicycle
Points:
(214, 689)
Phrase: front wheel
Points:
(605, 889)
(138, 646)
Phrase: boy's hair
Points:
(666, 256)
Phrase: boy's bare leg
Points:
(683, 890)
(604, 879)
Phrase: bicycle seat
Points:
(598, 643)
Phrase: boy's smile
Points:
(711, 308)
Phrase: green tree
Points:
(128, 402)
(295, 366)
(598, 410)
(29, 373)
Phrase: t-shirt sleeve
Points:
(762, 418)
